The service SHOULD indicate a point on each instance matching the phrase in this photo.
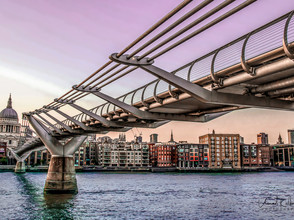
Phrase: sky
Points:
(48, 46)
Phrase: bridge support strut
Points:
(61, 177)
(21, 154)
(202, 94)
(20, 167)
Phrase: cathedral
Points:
(13, 135)
(10, 128)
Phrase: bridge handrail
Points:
(207, 60)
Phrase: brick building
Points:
(167, 154)
(224, 150)
(255, 155)
(193, 155)
(153, 154)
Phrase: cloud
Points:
(31, 81)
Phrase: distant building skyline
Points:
(153, 138)
(262, 138)
(191, 135)
(290, 136)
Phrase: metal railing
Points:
(258, 42)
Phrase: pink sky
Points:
(48, 46)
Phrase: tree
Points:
(4, 161)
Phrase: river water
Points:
(152, 196)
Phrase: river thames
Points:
(152, 196)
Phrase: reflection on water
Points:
(151, 196)
(53, 201)
(59, 206)
(42, 205)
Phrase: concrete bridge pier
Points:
(61, 177)
(20, 167)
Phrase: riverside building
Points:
(283, 155)
(193, 155)
(224, 150)
(123, 154)
(255, 155)
(153, 154)
(290, 136)
(87, 153)
(104, 153)
(167, 154)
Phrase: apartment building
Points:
(283, 155)
(167, 155)
(193, 155)
(255, 155)
(224, 150)
(123, 154)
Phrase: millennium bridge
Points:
(255, 70)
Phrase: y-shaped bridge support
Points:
(22, 153)
(20, 166)
(61, 177)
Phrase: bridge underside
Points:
(204, 98)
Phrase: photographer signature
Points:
(276, 201)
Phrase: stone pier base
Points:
(61, 177)
(20, 167)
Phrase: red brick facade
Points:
(255, 155)
(167, 155)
